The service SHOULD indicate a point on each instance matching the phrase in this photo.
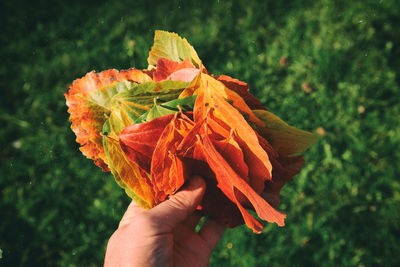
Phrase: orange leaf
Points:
(226, 114)
(88, 119)
(229, 181)
(167, 170)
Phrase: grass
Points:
(326, 66)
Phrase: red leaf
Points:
(138, 141)
(242, 89)
(284, 168)
(168, 173)
(166, 67)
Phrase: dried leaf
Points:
(202, 81)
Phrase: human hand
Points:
(164, 235)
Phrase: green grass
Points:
(58, 209)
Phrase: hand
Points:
(164, 235)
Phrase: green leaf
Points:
(285, 139)
(127, 107)
(171, 46)
(103, 96)
(170, 107)
(186, 103)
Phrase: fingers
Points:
(132, 210)
(193, 220)
(180, 206)
(211, 232)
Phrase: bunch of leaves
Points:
(156, 128)
(59, 210)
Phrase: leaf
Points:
(170, 46)
(128, 174)
(185, 104)
(155, 112)
(166, 67)
(202, 81)
(229, 181)
(128, 106)
(170, 107)
(242, 89)
(210, 103)
(88, 101)
(233, 154)
(168, 173)
(186, 75)
(103, 96)
(152, 146)
(223, 139)
(138, 141)
(285, 139)
(283, 170)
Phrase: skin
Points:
(164, 235)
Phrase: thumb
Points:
(181, 205)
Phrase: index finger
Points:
(211, 232)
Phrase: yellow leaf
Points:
(215, 87)
(127, 174)
(285, 139)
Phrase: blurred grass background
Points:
(331, 67)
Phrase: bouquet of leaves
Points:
(154, 129)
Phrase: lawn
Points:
(330, 67)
